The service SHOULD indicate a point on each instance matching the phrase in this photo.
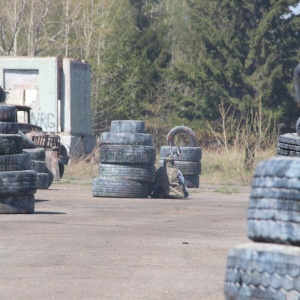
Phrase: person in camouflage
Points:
(169, 182)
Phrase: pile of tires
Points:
(269, 268)
(189, 162)
(18, 183)
(288, 145)
(127, 158)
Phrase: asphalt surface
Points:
(76, 246)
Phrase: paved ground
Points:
(76, 246)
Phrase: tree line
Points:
(169, 62)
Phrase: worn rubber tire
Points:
(23, 204)
(18, 183)
(142, 173)
(121, 138)
(10, 144)
(7, 113)
(37, 165)
(187, 153)
(42, 181)
(104, 187)
(186, 167)
(36, 153)
(289, 138)
(15, 162)
(61, 168)
(127, 154)
(9, 128)
(129, 126)
(192, 181)
(181, 129)
(274, 205)
(51, 176)
(262, 271)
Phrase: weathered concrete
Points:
(78, 247)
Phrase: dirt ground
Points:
(76, 246)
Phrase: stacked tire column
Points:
(269, 268)
(189, 162)
(18, 183)
(127, 158)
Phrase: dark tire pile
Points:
(18, 183)
(189, 162)
(288, 145)
(270, 267)
(127, 158)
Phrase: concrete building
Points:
(59, 92)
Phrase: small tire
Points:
(289, 138)
(15, 162)
(104, 187)
(186, 167)
(61, 168)
(127, 154)
(142, 173)
(9, 128)
(23, 204)
(192, 181)
(129, 126)
(120, 138)
(36, 153)
(7, 113)
(262, 271)
(42, 181)
(187, 153)
(10, 144)
(18, 183)
(181, 129)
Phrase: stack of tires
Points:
(189, 162)
(18, 183)
(288, 145)
(270, 267)
(38, 163)
(127, 158)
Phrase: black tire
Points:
(61, 168)
(27, 143)
(289, 138)
(9, 128)
(192, 181)
(274, 210)
(42, 181)
(18, 183)
(37, 165)
(104, 187)
(120, 138)
(10, 144)
(23, 204)
(187, 153)
(142, 173)
(186, 167)
(15, 162)
(262, 271)
(51, 176)
(37, 153)
(129, 126)
(181, 129)
(7, 113)
(127, 154)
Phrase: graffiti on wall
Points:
(45, 120)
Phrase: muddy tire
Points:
(15, 162)
(181, 129)
(186, 167)
(38, 166)
(142, 173)
(187, 153)
(37, 153)
(9, 128)
(120, 138)
(23, 204)
(274, 205)
(262, 271)
(192, 181)
(129, 126)
(7, 113)
(42, 181)
(10, 144)
(104, 187)
(127, 154)
(18, 183)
